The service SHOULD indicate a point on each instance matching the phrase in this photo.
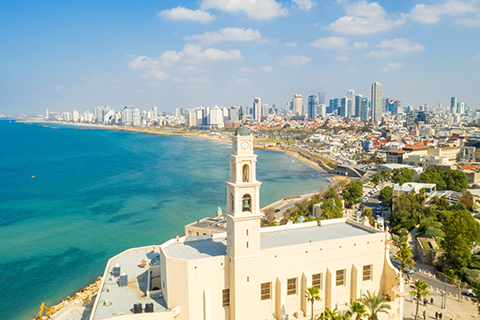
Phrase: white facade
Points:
(377, 89)
(257, 110)
(297, 104)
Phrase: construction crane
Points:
(50, 311)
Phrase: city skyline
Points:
(187, 54)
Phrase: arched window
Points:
(247, 203)
(232, 203)
(246, 173)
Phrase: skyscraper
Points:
(453, 105)
(321, 98)
(257, 109)
(364, 109)
(351, 96)
(358, 101)
(297, 104)
(345, 107)
(312, 107)
(377, 90)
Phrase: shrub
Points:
(470, 275)
(434, 232)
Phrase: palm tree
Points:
(374, 304)
(404, 255)
(358, 309)
(333, 315)
(419, 289)
(312, 295)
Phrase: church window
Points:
(317, 281)
(292, 286)
(367, 272)
(232, 202)
(246, 173)
(340, 277)
(266, 291)
(225, 297)
(247, 202)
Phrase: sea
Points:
(72, 197)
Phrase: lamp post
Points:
(445, 298)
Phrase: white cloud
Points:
(241, 82)
(227, 34)
(256, 9)
(360, 45)
(294, 60)
(305, 5)
(144, 62)
(394, 47)
(202, 79)
(156, 74)
(342, 59)
(476, 56)
(291, 44)
(392, 66)
(193, 53)
(467, 22)
(337, 43)
(191, 69)
(58, 87)
(181, 13)
(247, 70)
(430, 14)
(331, 43)
(365, 18)
(267, 69)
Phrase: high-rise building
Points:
(297, 104)
(257, 109)
(358, 102)
(312, 107)
(461, 106)
(175, 112)
(265, 109)
(364, 108)
(321, 98)
(76, 116)
(154, 113)
(127, 115)
(136, 117)
(351, 96)
(345, 107)
(322, 110)
(377, 92)
(453, 105)
(190, 118)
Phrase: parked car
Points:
(470, 293)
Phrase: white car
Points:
(470, 293)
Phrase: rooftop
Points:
(197, 248)
(116, 300)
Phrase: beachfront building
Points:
(248, 272)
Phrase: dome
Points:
(242, 131)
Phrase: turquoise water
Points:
(98, 192)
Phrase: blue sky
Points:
(68, 55)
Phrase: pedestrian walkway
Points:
(455, 310)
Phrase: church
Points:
(250, 272)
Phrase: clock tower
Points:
(243, 226)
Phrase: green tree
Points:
(374, 303)
(312, 295)
(455, 180)
(358, 310)
(419, 289)
(352, 192)
(431, 175)
(376, 178)
(386, 174)
(406, 212)
(402, 175)
(467, 200)
(328, 314)
(461, 232)
(457, 280)
(386, 195)
(404, 254)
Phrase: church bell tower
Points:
(243, 226)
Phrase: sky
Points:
(66, 55)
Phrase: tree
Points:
(376, 178)
(461, 232)
(406, 212)
(455, 180)
(358, 309)
(352, 193)
(312, 295)
(457, 280)
(431, 175)
(374, 304)
(386, 174)
(404, 254)
(402, 175)
(419, 289)
(386, 195)
(467, 200)
(333, 315)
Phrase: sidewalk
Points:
(455, 310)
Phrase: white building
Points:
(257, 109)
(377, 90)
(248, 272)
(297, 105)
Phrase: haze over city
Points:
(183, 54)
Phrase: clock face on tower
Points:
(245, 145)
